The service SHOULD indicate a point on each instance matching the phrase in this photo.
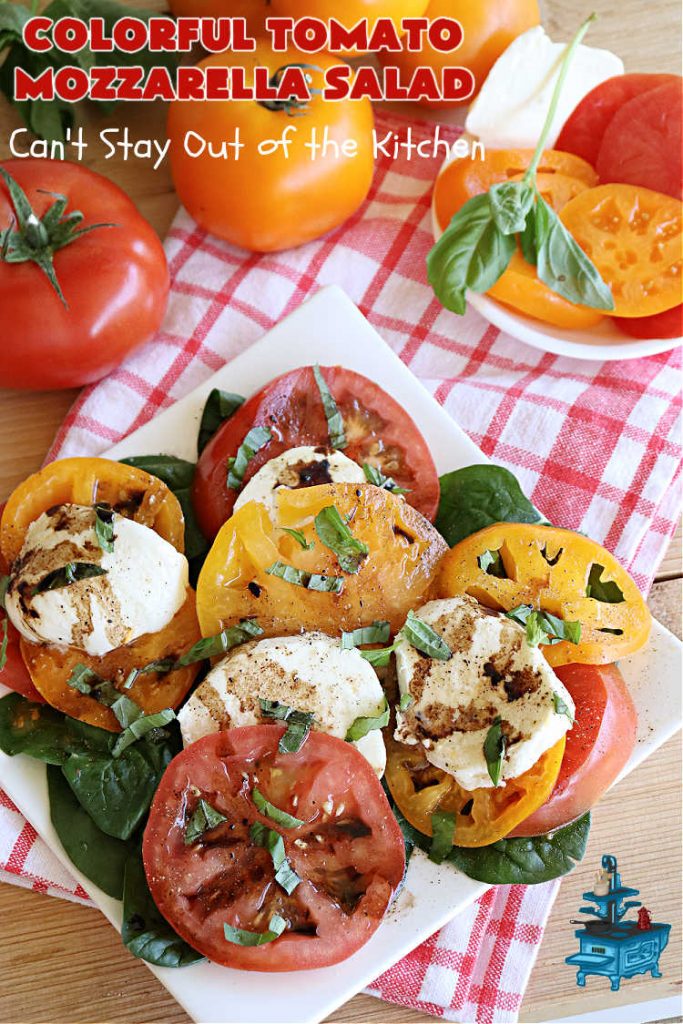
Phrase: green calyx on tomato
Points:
(292, 106)
(38, 239)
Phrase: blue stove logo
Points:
(610, 946)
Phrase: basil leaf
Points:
(269, 839)
(406, 700)
(607, 591)
(472, 253)
(443, 834)
(495, 746)
(374, 476)
(3, 644)
(562, 264)
(139, 727)
(240, 937)
(41, 732)
(204, 819)
(311, 581)
(527, 238)
(221, 643)
(100, 857)
(492, 563)
(335, 534)
(511, 202)
(298, 724)
(104, 526)
(299, 537)
(67, 574)
(421, 636)
(256, 439)
(477, 496)
(4, 584)
(219, 407)
(525, 861)
(544, 628)
(82, 677)
(362, 726)
(144, 931)
(335, 423)
(178, 475)
(561, 708)
(377, 632)
(274, 813)
(126, 711)
(380, 656)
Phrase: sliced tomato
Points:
(598, 746)
(642, 142)
(585, 127)
(378, 431)
(668, 324)
(521, 289)
(15, 675)
(349, 853)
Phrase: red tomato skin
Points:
(668, 324)
(15, 674)
(598, 746)
(115, 281)
(584, 128)
(304, 425)
(642, 142)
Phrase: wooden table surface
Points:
(61, 962)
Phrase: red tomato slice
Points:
(378, 431)
(642, 142)
(598, 746)
(349, 853)
(585, 127)
(15, 674)
(668, 324)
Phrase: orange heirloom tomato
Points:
(404, 551)
(420, 789)
(554, 570)
(255, 11)
(521, 288)
(633, 236)
(351, 12)
(489, 26)
(266, 203)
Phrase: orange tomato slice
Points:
(521, 289)
(551, 569)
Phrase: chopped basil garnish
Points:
(380, 656)
(421, 636)
(362, 726)
(126, 710)
(374, 476)
(544, 628)
(406, 700)
(309, 580)
(67, 574)
(204, 819)
(298, 724)
(377, 632)
(104, 526)
(208, 647)
(219, 407)
(88, 682)
(255, 440)
(272, 841)
(240, 937)
(335, 534)
(561, 708)
(335, 423)
(299, 538)
(3, 645)
(606, 591)
(443, 834)
(491, 562)
(4, 584)
(140, 727)
(274, 813)
(495, 746)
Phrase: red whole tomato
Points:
(668, 324)
(378, 431)
(584, 129)
(347, 851)
(598, 746)
(642, 143)
(114, 279)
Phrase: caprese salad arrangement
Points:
(373, 659)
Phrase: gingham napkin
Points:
(596, 446)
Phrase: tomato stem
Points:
(291, 106)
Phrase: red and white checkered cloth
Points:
(596, 446)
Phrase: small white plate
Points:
(604, 343)
(330, 330)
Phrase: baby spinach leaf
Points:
(443, 833)
(41, 732)
(602, 590)
(476, 496)
(144, 931)
(219, 407)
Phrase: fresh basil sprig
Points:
(308, 580)
(219, 407)
(282, 818)
(298, 724)
(375, 476)
(360, 727)
(335, 422)
(241, 937)
(495, 745)
(544, 628)
(443, 834)
(334, 532)
(67, 574)
(477, 246)
(256, 439)
(420, 635)
(204, 819)
(269, 839)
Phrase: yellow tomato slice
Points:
(404, 552)
(550, 569)
(484, 815)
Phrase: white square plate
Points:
(329, 329)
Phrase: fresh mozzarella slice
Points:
(144, 585)
(310, 672)
(299, 467)
(510, 110)
(492, 673)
